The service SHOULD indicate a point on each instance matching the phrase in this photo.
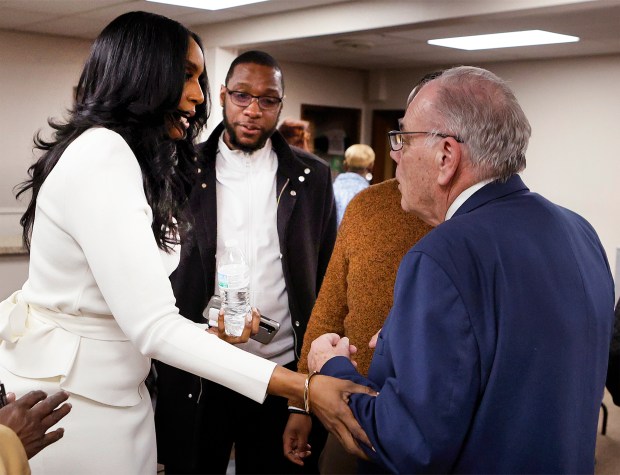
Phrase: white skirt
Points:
(98, 439)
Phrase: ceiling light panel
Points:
(504, 40)
(208, 4)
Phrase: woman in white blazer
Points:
(102, 227)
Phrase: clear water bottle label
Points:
(233, 281)
(233, 276)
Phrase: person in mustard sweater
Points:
(12, 454)
(356, 296)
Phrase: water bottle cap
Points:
(231, 243)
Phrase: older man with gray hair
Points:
(494, 355)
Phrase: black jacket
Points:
(306, 223)
(306, 229)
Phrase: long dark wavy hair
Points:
(132, 83)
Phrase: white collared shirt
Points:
(247, 211)
(464, 196)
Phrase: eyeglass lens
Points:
(396, 142)
(243, 99)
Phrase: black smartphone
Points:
(267, 328)
(3, 400)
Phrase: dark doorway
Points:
(333, 129)
(382, 122)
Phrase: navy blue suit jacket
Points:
(493, 358)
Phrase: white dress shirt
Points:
(464, 196)
(247, 212)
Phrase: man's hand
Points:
(250, 328)
(373, 341)
(32, 415)
(295, 438)
(329, 400)
(326, 347)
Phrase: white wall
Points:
(37, 76)
(13, 273)
(573, 108)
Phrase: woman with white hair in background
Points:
(358, 162)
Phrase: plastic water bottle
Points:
(233, 276)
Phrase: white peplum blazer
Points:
(98, 303)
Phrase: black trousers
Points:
(255, 430)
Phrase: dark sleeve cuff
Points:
(341, 367)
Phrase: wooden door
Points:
(382, 122)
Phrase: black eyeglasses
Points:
(397, 142)
(243, 99)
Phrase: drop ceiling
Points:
(385, 46)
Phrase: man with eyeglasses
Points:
(493, 358)
(277, 201)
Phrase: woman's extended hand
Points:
(328, 398)
(329, 401)
(250, 328)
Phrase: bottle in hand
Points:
(233, 275)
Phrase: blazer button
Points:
(204, 185)
(293, 192)
(306, 171)
(199, 170)
(189, 396)
(301, 178)
(297, 323)
(280, 256)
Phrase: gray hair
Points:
(478, 107)
(426, 78)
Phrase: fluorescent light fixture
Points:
(504, 40)
(208, 4)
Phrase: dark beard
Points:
(232, 137)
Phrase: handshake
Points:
(330, 345)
